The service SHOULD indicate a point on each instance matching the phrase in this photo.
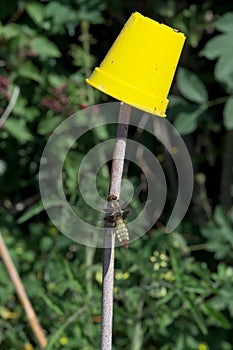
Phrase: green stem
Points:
(216, 101)
(138, 332)
(175, 266)
(85, 35)
(227, 173)
(89, 257)
(197, 247)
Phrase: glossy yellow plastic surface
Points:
(140, 66)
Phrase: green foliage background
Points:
(171, 291)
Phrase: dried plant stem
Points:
(109, 239)
(34, 323)
(10, 106)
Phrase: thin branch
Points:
(197, 247)
(10, 106)
(34, 323)
(16, 15)
(109, 239)
(216, 101)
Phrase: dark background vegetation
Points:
(171, 291)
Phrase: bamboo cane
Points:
(14, 276)
(109, 239)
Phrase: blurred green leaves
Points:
(219, 234)
(28, 70)
(57, 17)
(44, 48)
(18, 129)
(36, 11)
(186, 114)
(171, 291)
(220, 48)
(191, 87)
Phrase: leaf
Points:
(223, 300)
(216, 316)
(191, 86)
(102, 132)
(56, 80)
(218, 234)
(60, 13)
(32, 211)
(46, 243)
(228, 113)
(37, 209)
(28, 70)
(11, 30)
(61, 17)
(217, 46)
(221, 47)
(36, 11)
(197, 315)
(225, 22)
(187, 122)
(220, 217)
(18, 129)
(44, 48)
(175, 106)
(47, 125)
(224, 71)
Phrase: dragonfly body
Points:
(122, 232)
(116, 216)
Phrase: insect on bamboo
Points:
(109, 238)
(116, 216)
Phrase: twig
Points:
(10, 106)
(109, 239)
(16, 15)
(34, 323)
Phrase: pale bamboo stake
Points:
(34, 323)
(109, 239)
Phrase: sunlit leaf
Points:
(11, 30)
(48, 124)
(44, 48)
(36, 11)
(18, 129)
(56, 80)
(28, 70)
(31, 212)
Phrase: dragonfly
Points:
(116, 216)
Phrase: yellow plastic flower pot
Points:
(140, 66)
